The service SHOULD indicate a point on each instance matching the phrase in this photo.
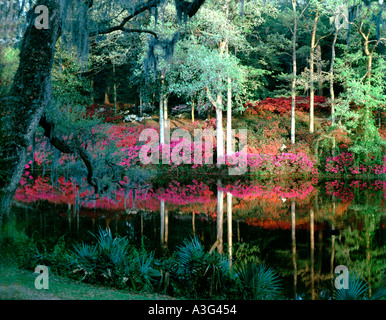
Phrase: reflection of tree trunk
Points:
(193, 223)
(220, 220)
(238, 232)
(320, 249)
(166, 228)
(229, 221)
(332, 239)
(312, 241)
(368, 256)
(293, 236)
(164, 225)
(141, 224)
(332, 253)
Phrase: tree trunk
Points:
(115, 91)
(219, 107)
(192, 111)
(161, 111)
(319, 69)
(229, 95)
(28, 97)
(161, 120)
(332, 93)
(165, 105)
(293, 84)
(312, 67)
(140, 104)
(229, 118)
(219, 130)
(92, 94)
(106, 99)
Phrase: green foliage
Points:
(356, 289)
(69, 86)
(260, 282)
(247, 252)
(359, 102)
(115, 261)
(9, 60)
(201, 273)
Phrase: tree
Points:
(31, 91)
(339, 19)
(361, 73)
(294, 32)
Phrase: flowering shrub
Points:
(283, 163)
(105, 112)
(282, 105)
(344, 162)
(182, 108)
(127, 117)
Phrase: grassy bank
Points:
(18, 284)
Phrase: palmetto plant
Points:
(200, 271)
(263, 282)
(86, 259)
(357, 288)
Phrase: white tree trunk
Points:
(219, 130)
(229, 118)
(293, 84)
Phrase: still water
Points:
(303, 229)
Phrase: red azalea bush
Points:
(282, 105)
(105, 112)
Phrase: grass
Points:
(18, 284)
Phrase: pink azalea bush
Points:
(344, 163)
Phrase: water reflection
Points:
(302, 229)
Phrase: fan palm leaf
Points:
(356, 288)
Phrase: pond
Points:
(302, 229)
